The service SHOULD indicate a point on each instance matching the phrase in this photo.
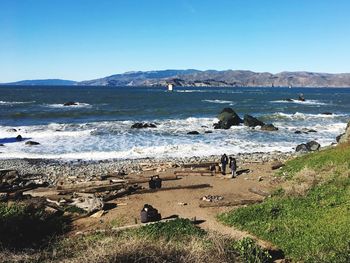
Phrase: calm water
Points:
(99, 127)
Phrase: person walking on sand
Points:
(224, 161)
(233, 167)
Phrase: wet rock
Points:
(19, 138)
(11, 130)
(327, 113)
(302, 148)
(297, 132)
(227, 118)
(208, 132)
(141, 125)
(70, 103)
(193, 133)
(30, 143)
(250, 121)
(313, 146)
(269, 127)
(311, 130)
(1, 144)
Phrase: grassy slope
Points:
(311, 228)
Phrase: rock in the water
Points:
(250, 121)
(70, 103)
(313, 146)
(302, 148)
(32, 143)
(19, 138)
(11, 130)
(297, 132)
(269, 127)
(311, 130)
(1, 144)
(327, 113)
(227, 118)
(193, 132)
(208, 132)
(141, 125)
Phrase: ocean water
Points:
(99, 126)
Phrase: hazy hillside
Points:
(208, 78)
(43, 82)
(223, 78)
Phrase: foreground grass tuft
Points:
(174, 241)
(28, 225)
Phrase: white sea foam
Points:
(306, 102)
(78, 105)
(304, 116)
(220, 101)
(115, 139)
(15, 102)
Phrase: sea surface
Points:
(99, 126)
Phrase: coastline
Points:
(53, 170)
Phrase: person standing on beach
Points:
(233, 167)
(224, 161)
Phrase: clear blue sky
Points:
(86, 39)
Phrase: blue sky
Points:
(86, 39)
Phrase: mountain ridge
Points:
(207, 78)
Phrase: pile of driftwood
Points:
(69, 194)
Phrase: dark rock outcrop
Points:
(327, 113)
(269, 127)
(1, 144)
(298, 132)
(308, 147)
(70, 103)
(141, 125)
(19, 138)
(302, 148)
(250, 121)
(31, 143)
(227, 118)
(11, 130)
(344, 137)
(313, 146)
(193, 133)
(208, 132)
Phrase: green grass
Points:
(334, 158)
(178, 229)
(310, 228)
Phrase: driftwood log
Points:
(230, 203)
(258, 192)
(200, 165)
(194, 186)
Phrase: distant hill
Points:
(225, 78)
(207, 78)
(43, 82)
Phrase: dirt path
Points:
(172, 202)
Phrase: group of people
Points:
(232, 165)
